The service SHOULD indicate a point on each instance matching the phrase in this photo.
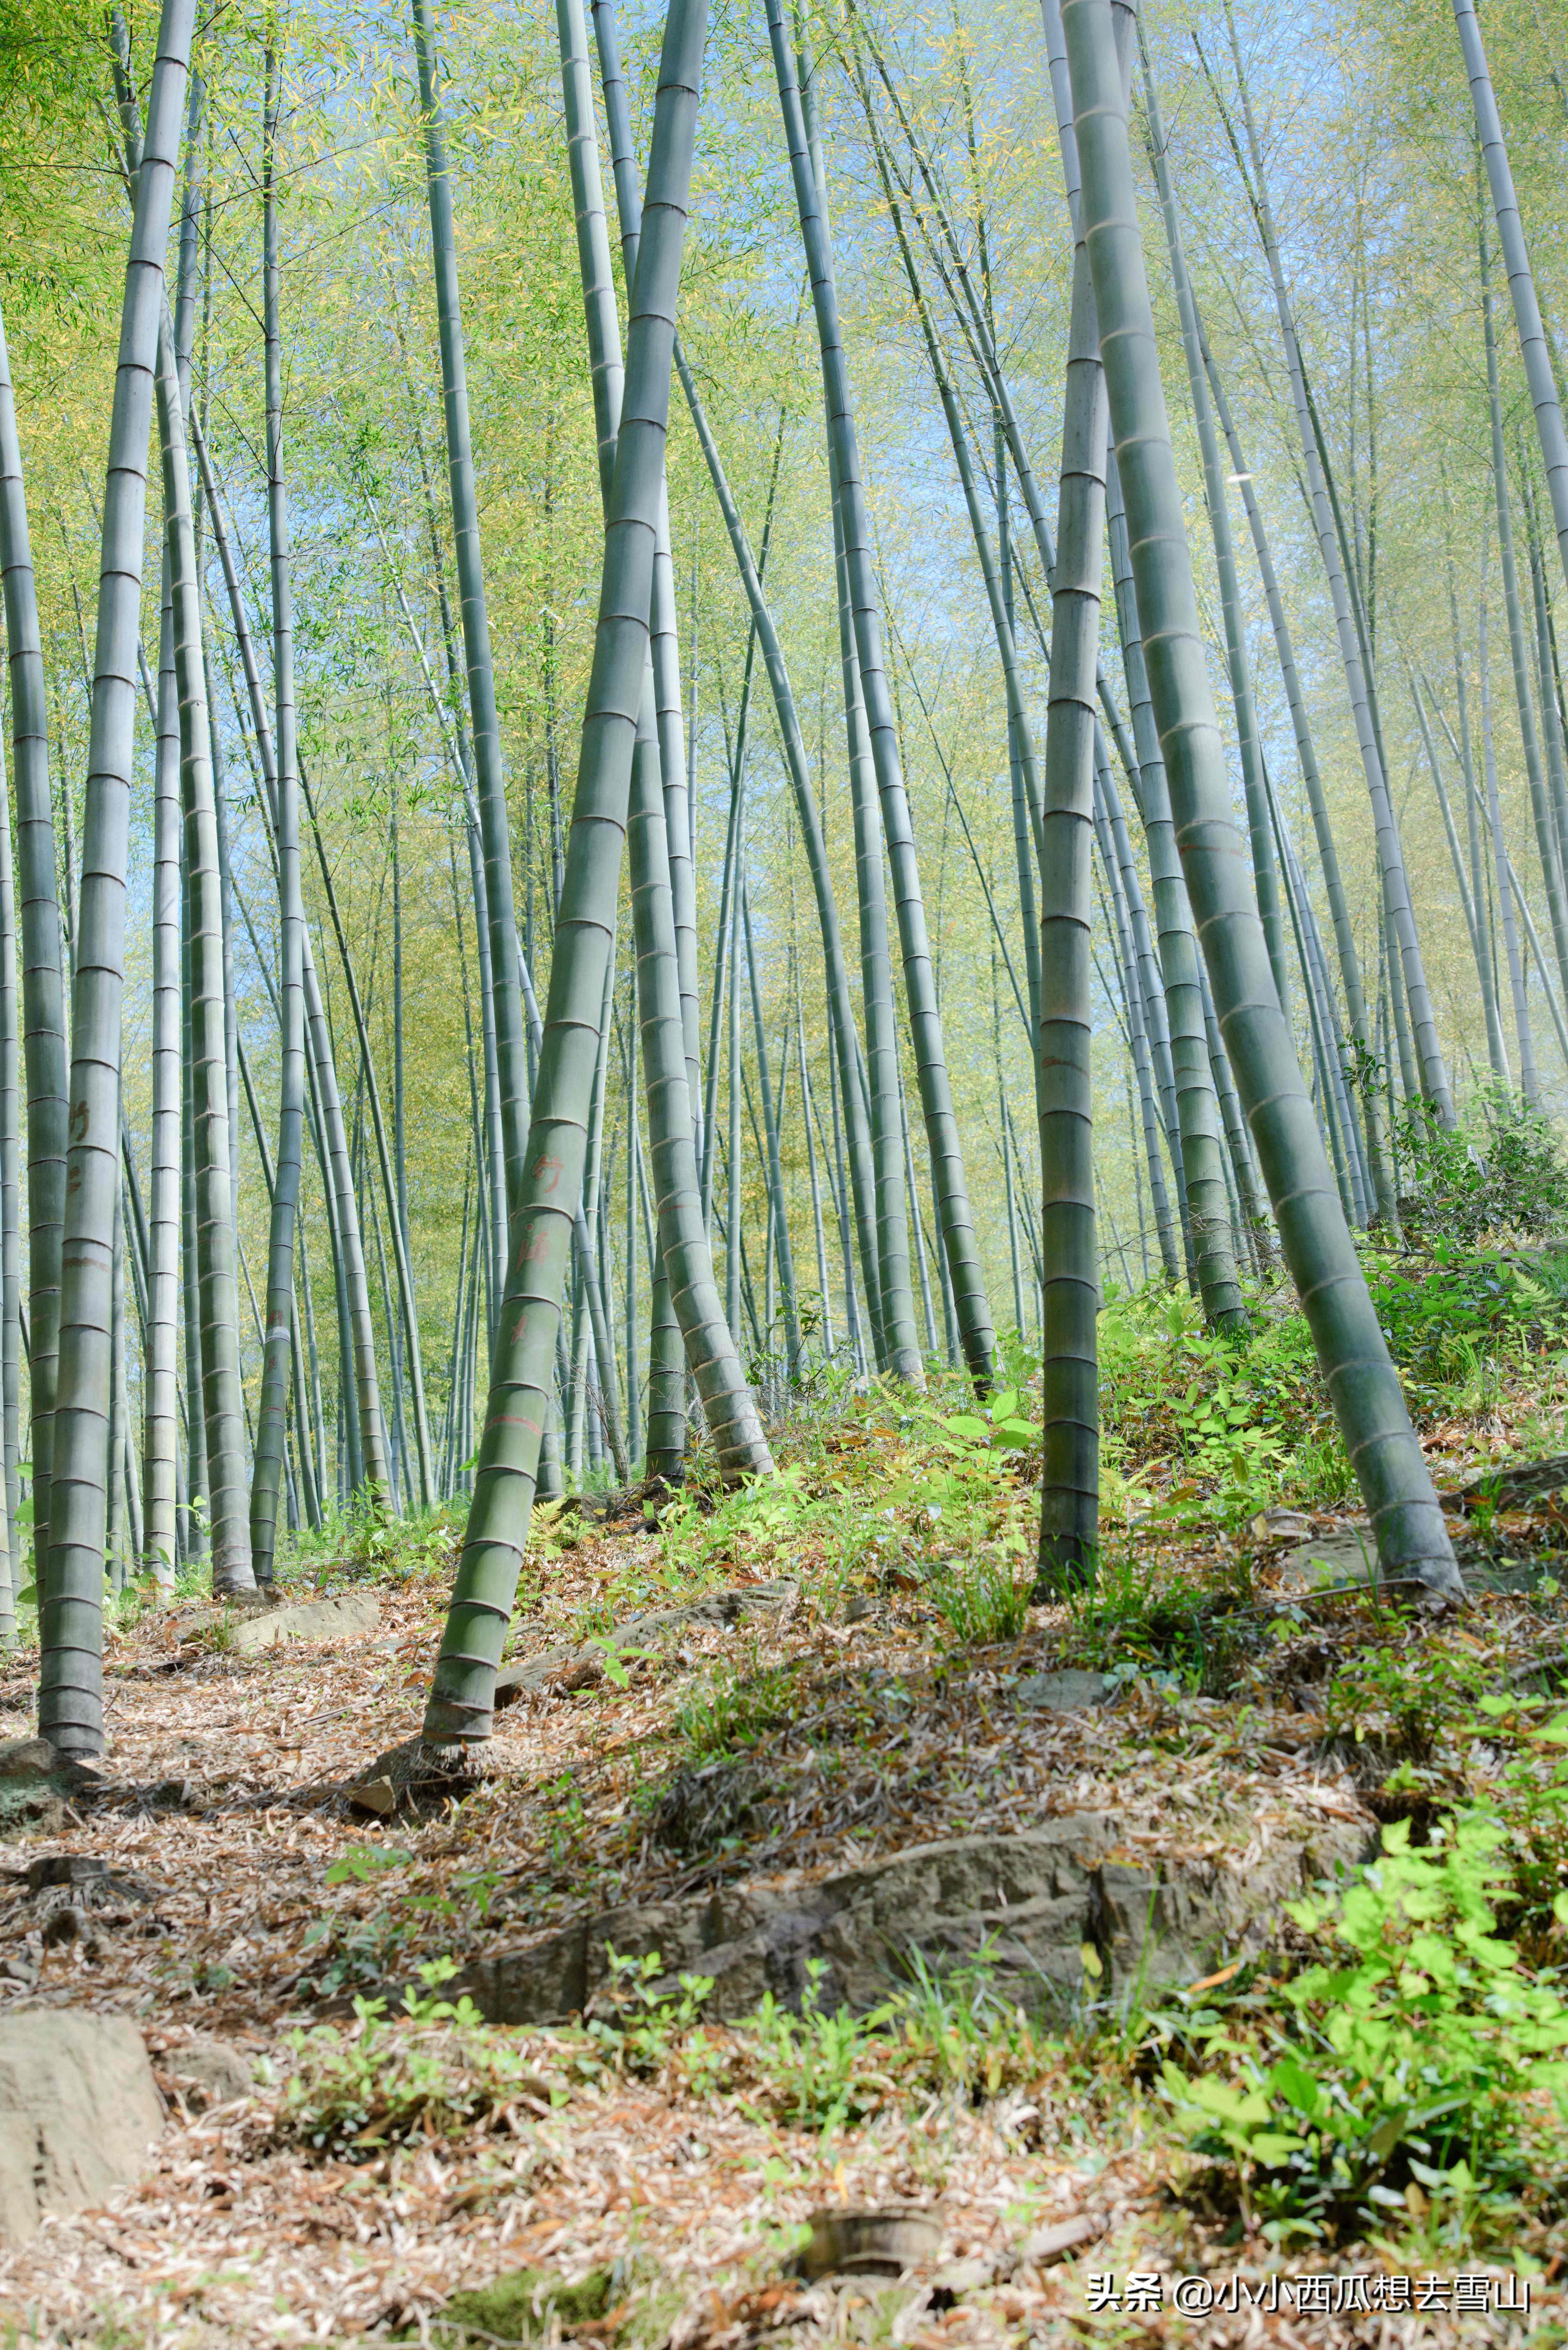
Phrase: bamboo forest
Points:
(783, 1173)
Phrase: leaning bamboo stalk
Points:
(1546, 842)
(70, 1697)
(1322, 829)
(665, 644)
(656, 865)
(357, 1335)
(485, 731)
(1529, 1084)
(461, 1698)
(1362, 1381)
(1391, 860)
(1265, 875)
(1538, 369)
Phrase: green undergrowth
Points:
(1400, 2076)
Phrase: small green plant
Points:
(730, 1711)
(986, 1604)
(362, 1863)
(1139, 1624)
(1401, 1697)
(818, 2070)
(438, 2070)
(1426, 2054)
(649, 2015)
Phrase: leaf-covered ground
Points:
(383, 2163)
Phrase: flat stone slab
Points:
(79, 2113)
(349, 1616)
(570, 1657)
(1330, 1559)
(1068, 1692)
(1031, 1903)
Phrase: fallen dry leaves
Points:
(231, 2241)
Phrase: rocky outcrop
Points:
(79, 2113)
(1029, 1904)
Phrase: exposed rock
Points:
(700, 1808)
(27, 1758)
(33, 1788)
(570, 1663)
(210, 2071)
(1328, 1560)
(79, 2111)
(349, 1616)
(1031, 1902)
(1064, 1692)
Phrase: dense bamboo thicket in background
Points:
(698, 709)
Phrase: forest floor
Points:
(652, 2168)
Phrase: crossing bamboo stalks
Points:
(655, 864)
(1396, 885)
(840, 1006)
(462, 1698)
(953, 1206)
(222, 1405)
(365, 1455)
(1351, 1351)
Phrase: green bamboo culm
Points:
(1265, 873)
(10, 1195)
(666, 643)
(70, 1695)
(957, 1222)
(461, 1700)
(272, 1406)
(511, 1051)
(1069, 1248)
(161, 1393)
(1538, 370)
(43, 1002)
(1361, 1378)
(222, 1409)
(685, 1252)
